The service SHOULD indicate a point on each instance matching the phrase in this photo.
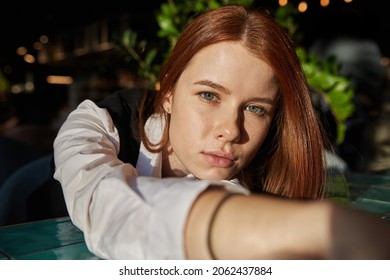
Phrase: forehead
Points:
(231, 65)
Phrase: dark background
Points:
(95, 74)
(23, 22)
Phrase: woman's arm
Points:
(122, 215)
(263, 227)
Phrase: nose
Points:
(228, 127)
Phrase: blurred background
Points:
(55, 54)
(73, 38)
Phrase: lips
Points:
(219, 159)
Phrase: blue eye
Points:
(256, 109)
(208, 96)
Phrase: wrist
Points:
(197, 229)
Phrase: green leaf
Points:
(150, 56)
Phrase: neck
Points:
(170, 164)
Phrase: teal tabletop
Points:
(43, 240)
(3, 257)
(59, 239)
(368, 192)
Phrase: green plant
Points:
(171, 18)
(335, 89)
(322, 76)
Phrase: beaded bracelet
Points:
(212, 219)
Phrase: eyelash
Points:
(212, 97)
(261, 111)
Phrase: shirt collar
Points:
(150, 164)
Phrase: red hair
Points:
(290, 162)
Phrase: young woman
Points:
(230, 135)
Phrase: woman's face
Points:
(221, 111)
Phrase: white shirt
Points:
(124, 212)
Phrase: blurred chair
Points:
(359, 59)
(31, 193)
(13, 155)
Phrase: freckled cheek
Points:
(187, 125)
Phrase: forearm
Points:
(253, 227)
(268, 228)
(198, 222)
(262, 227)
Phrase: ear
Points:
(167, 102)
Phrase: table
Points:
(368, 192)
(53, 239)
(59, 239)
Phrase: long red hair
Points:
(290, 162)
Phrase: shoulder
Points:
(88, 110)
(126, 98)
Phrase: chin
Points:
(213, 176)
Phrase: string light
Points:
(29, 58)
(21, 51)
(302, 7)
(283, 3)
(324, 3)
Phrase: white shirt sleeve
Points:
(122, 215)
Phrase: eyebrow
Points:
(227, 91)
(213, 85)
